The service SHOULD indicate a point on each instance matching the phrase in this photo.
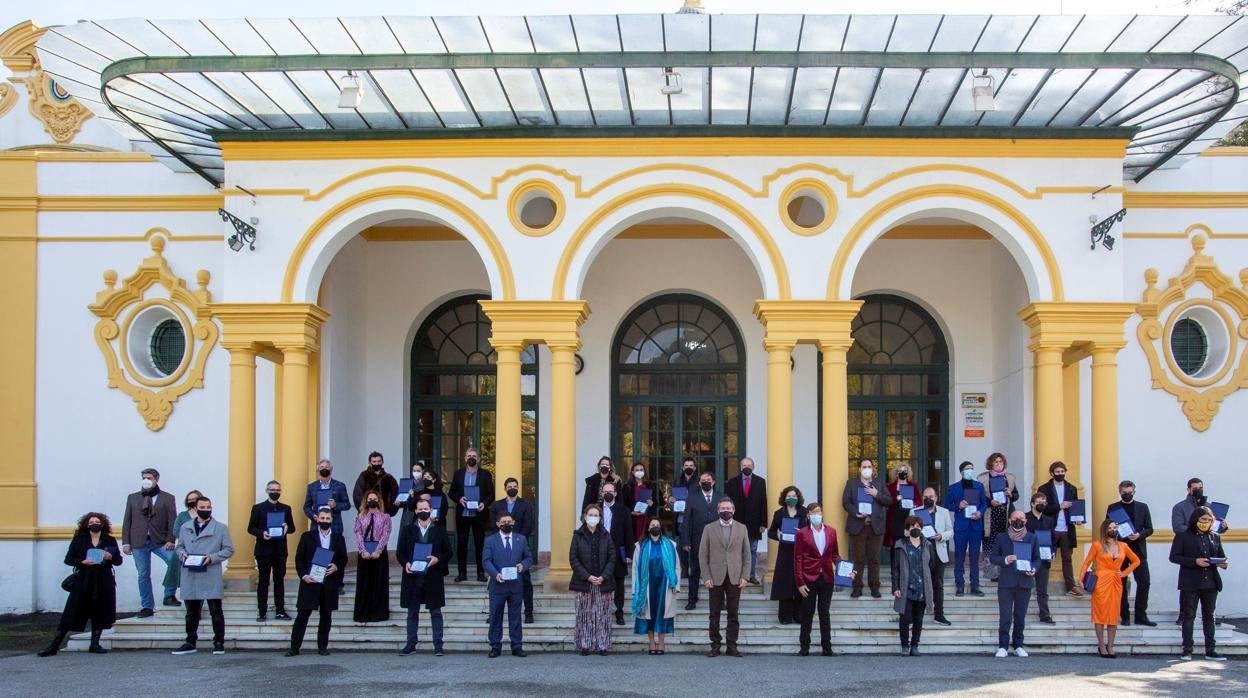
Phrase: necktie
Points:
(746, 487)
(507, 546)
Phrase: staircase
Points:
(864, 625)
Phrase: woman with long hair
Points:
(638, 486)
(372, 570)
(93, 553)
(1107, 553)
(998, 512)
(783, 582)
(593, 562)
(656, 581)
(603, 473)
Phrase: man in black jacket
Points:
(1059, 495)
(522, 515)
(748, 493)
(700, 509)
(1142, 522)
(271, 550)
(688, 479)
(866, 531)
(1037, 520)
(423, 584)
(618, 522)
(374, 478)
(471, 520)
(1198, 553)
(316, 595)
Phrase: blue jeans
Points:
(964, 542)
(143, 566)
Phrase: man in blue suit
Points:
(968, 529)
(506, 551)
(327, 492)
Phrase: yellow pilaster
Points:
(779, 422)
(1048, 440)
(1071, 418)
(507, 396)
(562, 457)
(292, 471)
(242, 449)
(835, 455)
(1104, 431)
(19, 517)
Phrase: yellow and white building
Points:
(800, 239)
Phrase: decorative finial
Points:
(1151, 276)
(158, 244)
(1198, 244)
(110, 279)
(691, 7)
(202, 277)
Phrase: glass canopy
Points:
(178, 87)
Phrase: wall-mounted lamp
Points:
(244, 232)
(983, 89)
(350, 91)
(671, 82)
(1100, 231)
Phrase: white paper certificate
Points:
(1125, 530)
(1022, 565)
(970, 512)
(787, 537)
(193, 561)
(318, 573)
(907, 504)
(929, 531)
(844, 568)
(1046, 553)
(998, 497)
(509, 573)
(419, 565)
(471, 504)
(864, 508)
(678, 506)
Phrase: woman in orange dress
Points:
(1106, 554)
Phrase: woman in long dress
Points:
(372, 571)
(783, 583)
(998, 512)
(656, 581)
(93, 593)
(592, 559)
(1106, 553)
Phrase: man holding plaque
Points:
(424, 551)
(938, 528)
(968, 501)
(1135, 525)
(686, 484)
(522, 514)
(1041, 524)
(1060, 497)
(815, 557)
(271, 521)
(866, 500)
(320, 562)
(326, 492)
(203, 544)
(1017, 556)
(472, 490)
(506, 558)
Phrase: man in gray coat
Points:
(203, 544)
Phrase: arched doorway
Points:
(678, 376)
(898, 389)
(454, 382)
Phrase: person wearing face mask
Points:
(914, 563)
(205, 543)
(146, 530)
(1037, 520)
(1198, 553)
(320, 596)
(783, 588)
(1142, 521)
(618, 525)
(423, 482)
(700, 510)
(173, 573)
(748, 492)
(603, 473)
(998, 512)
(592, 559)
(506, 557)
(968, 528)
(866, 530)
(471, 522)
(374, 478)
(724, 556)
(93, 594)
(372, 567)
(656, 582)
(636, 486)
(901, 508)
(1105, 558)
(326, 492)
(1181, 513)
(815, 556)
(1059, 496)
(942, 543)
(1014, 585)
(522, 514)
(271, 551)
(423, 584)
(688, 479)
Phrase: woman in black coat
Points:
(93, 595)
(593, 559)
(783, 584)
(1198, 553)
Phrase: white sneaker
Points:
(1002, 653)
(1020, 652)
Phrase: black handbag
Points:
(70, 581)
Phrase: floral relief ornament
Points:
(154, 403)
(62, 116)
(1200, 398)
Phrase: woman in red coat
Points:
(632, 490)
(901, 508)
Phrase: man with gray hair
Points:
(146, 530)
(724, 557)
(327, 492)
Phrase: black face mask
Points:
(506, 528)
(929, 502)
(604, 469)
(422, 515)
(274, 496)
(1038, 507)
(1016, 525)
(324, 472)
(1112, 535)
(903, 476)
(376, 468)
(324, 525)
(472, 462)
(708, 486)
(190, 504)
(95, 528)
(688, 471)
(373, 504)
(608, 498)
(725, 516)
(747, 471)
(511, 492)
(205, 514)
(1128, 497)
(1059, 478)
(1198, 493)
(656, 532)
(916, 532)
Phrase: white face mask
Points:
(968, 474)
(592, 520)
(816, 519)
(639, 474)
(866, 473)
(148, 484)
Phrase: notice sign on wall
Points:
(974, 415)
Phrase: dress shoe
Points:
(292, 652)
(804, 652)
(528, 618)
(519, 653)
(461, 578)
(481, 578)
(281, 615)
(408, 649)
(619, 618)
(261, 618)
(585, 653)
(323, 653)
(876, 594)
(959, 592)
(753, 580)
(1048, 621)
(218, 648)
(1124, 621)
(691, 605)
(827, 652)
(941, 620)
(914, 650)
(172, 601)
(713, 653)
(1143, 620)
(975, 591)
(438, 651)
(734, 653)
(495, 653)
(1214, 656)
(905, 650)
(855, 593)
(603, 653)
(146, 613)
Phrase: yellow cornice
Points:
(232, 151)
(822, 322)
(555, 323)
(52, 154)
(176, 202)
(1184, 199)
(271, 325)
(645, 231)
(17, 46)
(1063, 325)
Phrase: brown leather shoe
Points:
(713, 653)
(734, 652)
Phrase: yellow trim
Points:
(18, 316)
(816, 190)
(41, 533)
(934, 190)
(124, 238)
(1231, 333)
(499, 254)
(52, 153)
(172, 202)
(591, 221)
(937, 232)
(8, 99)
(642, 231)
(410, 233)
(1224, 151)
(515, 202)
(1192, 229)
(123, 342)
(1184, 199)
(234, 151)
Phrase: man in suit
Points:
(325, 491)
(1142, 522)
(522, 513)
(1013, 587)
(206, 538)
(748, 493)
(815, 555)
(423, 584)
(271, 550)
(943, 542)
(319, 596)
(471, 520)
(1037, 520)
(968, 525)
(700, 510)
(374, 478)
(147, 529)
(866, 531)
(724, 556)
(506, 550)
(617, 522)
(1060, 495)
(687, 479)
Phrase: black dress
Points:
(94, 595)
(372, 586)
(783, 584)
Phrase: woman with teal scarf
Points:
(656, 581)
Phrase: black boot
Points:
(54, 646)
(95, 643)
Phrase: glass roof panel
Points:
(607, 96)
(935, 88)
(485, 93)
(730, 95)
(1057, 90)
(67, 51)
(372, 34)
(1179, 83)
(447, 99)
(462, 34)
(171, 96)
(1170, 111)
(641, 32)
(283, 93)
(322, 91)
(508, 34)
(1194, 31)
(961, 111)
(375, 107)
(1005, 33)
(596, 32)
(1050, 33)
(692, 105)
(649, 104)
(849, 102)
(528, 99)
(1144, 31)
(778, 32)
(1095, 33)
(1141, 83)
(70, 75)
(959, 32)
(245, 93)
(566, 93)
(823, 32)
(731, 32)
(1090, 96)
(769, 98)
(280, 34)
(140, 34)
(229, 36)
(552, 33)
(868, 32)
(913, 33)
(416, 34)
(811, 92)
(406, 97)
(103, 41)
(892, 97)
(687, 32)
(1014, 91)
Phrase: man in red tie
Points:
(748, 492)
(815, 555)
